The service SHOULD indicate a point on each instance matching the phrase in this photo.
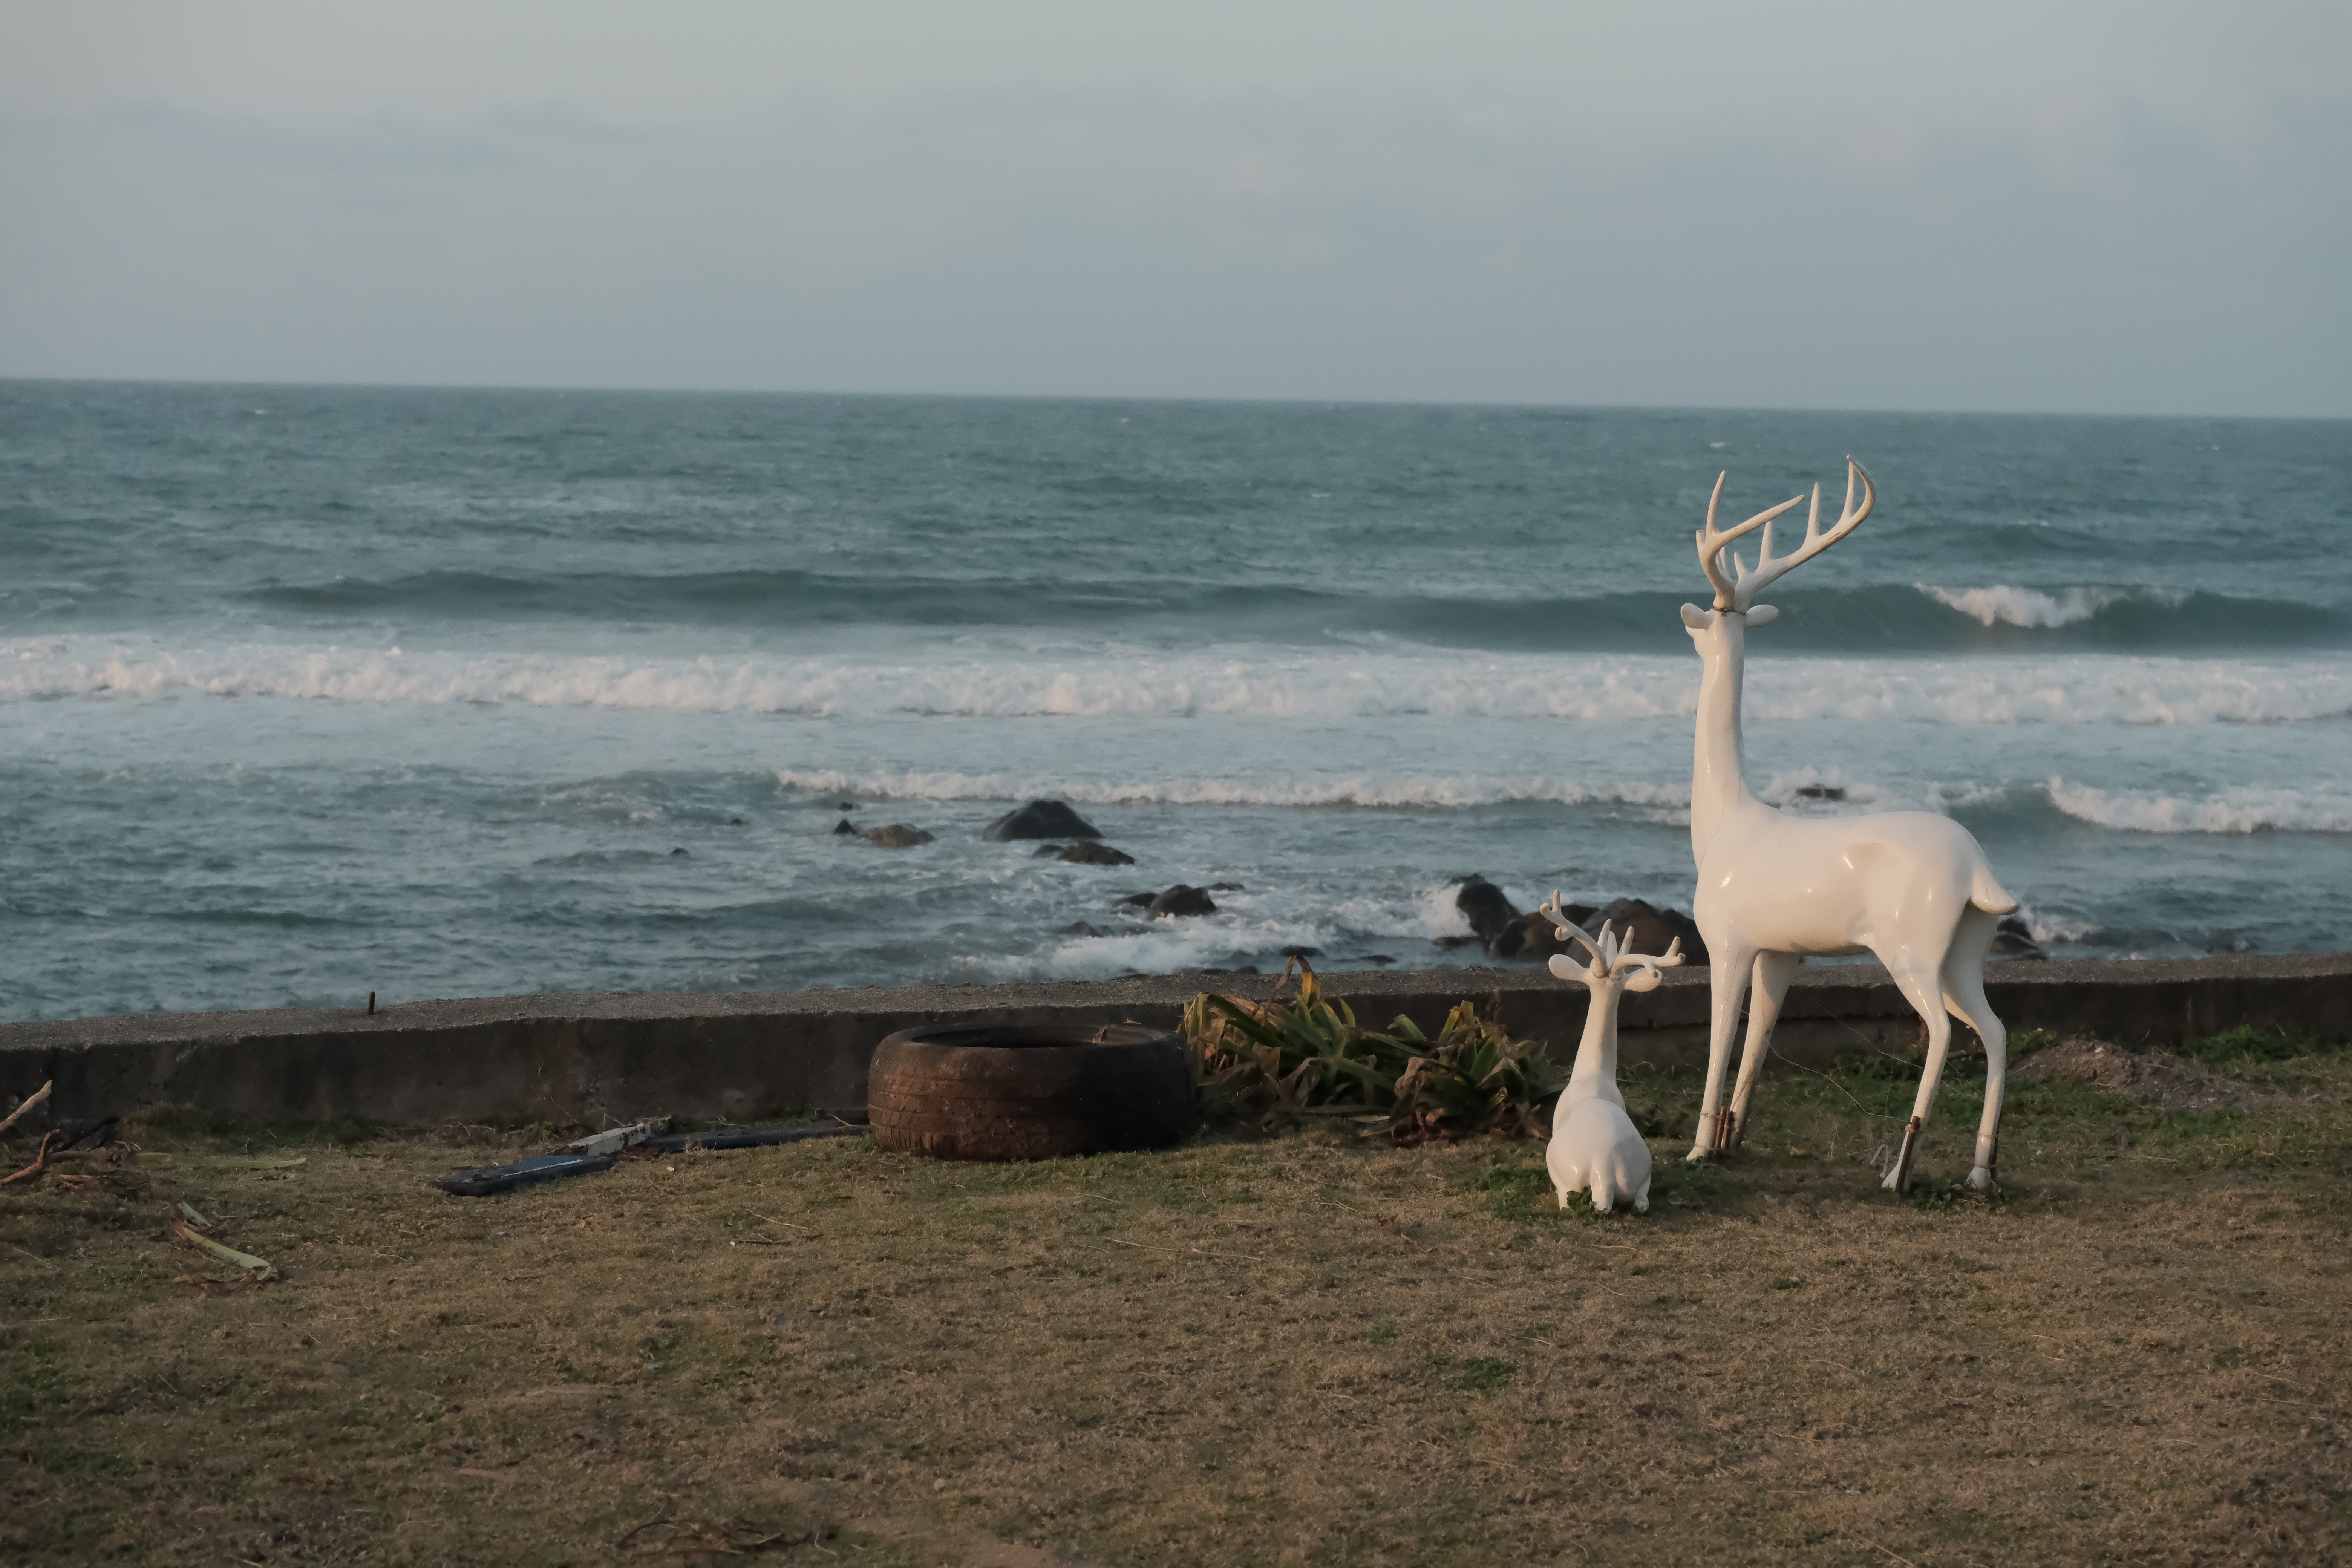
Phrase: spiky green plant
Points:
(1277, 1062)
(1473, 1078)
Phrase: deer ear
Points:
(1563, 967)
(1761, 615)
(1645, 979)
(1698, 620)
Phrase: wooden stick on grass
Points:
(40, 1162)
(181, 1231)
(27, 1104)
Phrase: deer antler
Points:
(1737, 591)
(1608, 958)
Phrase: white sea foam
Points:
(1244, 683)
(1404, 790)
(2248, 809)
(2038, 607)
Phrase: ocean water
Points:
(309, 692)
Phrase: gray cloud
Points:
(2074, 244)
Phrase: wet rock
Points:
(1484, 906)
(1377, 960)
(1300, 951)
(846, 805)
(1181, 899)
(1134, 902)
(897, 836)
(734, 822)
(1817, 792)
(1040, 819)
(1642, 927)
(843, 827)
(1533, 936)
(2011, 939)
(1086, 854)
(1453, 941)
(678, 851)
(1079, 928)
(1227, 888)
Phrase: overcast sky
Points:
(2134, 207)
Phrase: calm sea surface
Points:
(309, 692)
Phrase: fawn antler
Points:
(1737, 591)
(1607, 959)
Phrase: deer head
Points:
(1611, 967)
(1736, 590)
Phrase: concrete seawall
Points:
(593, 1058)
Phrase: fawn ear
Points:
(1698, 620)
(1761, 615)
(1644, 979)
(1563, 967)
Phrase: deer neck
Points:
(1596, 1053)
(1719, 759)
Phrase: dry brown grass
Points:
(1285, 1352)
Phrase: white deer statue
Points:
(1594, 1146)
(1911, 886)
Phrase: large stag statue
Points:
(1911, 886)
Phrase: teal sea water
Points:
(307, 692)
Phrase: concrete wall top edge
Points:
(1823, 988)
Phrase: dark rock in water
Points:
(1818, 792)
(843, 827)
(678, 851)
(1094, 855)
(1484, 906)
(1227, 888)
(1135, 901)
(846, 805)
(1079, 928)
(1453, 941)
(1180, 899)
(2013, 938)
(1301, 951)
(1533, 936)
(734, 822)
(1377, 960)
(1040, 819)
(897, 836)
(1644, 927)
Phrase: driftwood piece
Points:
(26, 1104)
(40, 1162)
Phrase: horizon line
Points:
(609, 390)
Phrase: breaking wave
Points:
(2249, 809)
(1241, 683)
(1179, 611)
(2039, 608)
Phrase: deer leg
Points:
(1926, 995)
(1727, 980)
(1964, 996)
(1773, 972)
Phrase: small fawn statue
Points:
(1911, 886)
(1594, 1146)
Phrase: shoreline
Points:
(593, 1058)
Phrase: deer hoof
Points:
(1981, 1179)
(1894, 1182)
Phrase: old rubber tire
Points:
(1029, 1092)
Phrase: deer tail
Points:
(1987, 895)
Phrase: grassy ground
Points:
(1295, 1351)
